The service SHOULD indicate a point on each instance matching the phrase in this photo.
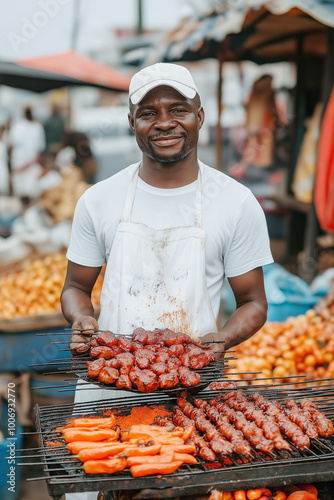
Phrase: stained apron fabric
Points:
(153, 279)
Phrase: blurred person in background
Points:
(54, 128)
(4, 168)
(26, 142)
(262, 121)
(76, 150)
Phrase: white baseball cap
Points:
(173, 75)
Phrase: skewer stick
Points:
(53, 386)
(72, 342)
(51, 333)
(51, 463)
(46, 434)
(54, 365)
(214, 342)
(57, 455)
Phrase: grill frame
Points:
(188, 480)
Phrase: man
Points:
(54, 128)
(27, 141)
(169, 228)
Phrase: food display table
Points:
(24, 347)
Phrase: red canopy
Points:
(78, 67)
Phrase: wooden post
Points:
(219, 130)
(296, 220)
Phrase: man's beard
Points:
(167, 159)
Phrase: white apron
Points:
(155, 278)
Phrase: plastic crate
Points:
(21, 349)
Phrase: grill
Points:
(315, 464)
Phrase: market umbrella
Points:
(66, 69)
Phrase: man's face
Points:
(166, 124)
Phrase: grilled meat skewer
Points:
(217, 442)
(227, 430)
(323, 424)
(270, 429)
(290, 429)
(251, 432)
(204, 450)
(301, 418)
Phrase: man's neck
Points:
(169, 175)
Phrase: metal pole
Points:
(76, 23)
(74, 42)
(219, 130)
(299, 111)
(295, 221)
(140, 17)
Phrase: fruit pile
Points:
(36, 288)
(60, 201)
(302, 345)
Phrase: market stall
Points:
(269, 32)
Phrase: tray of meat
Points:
(149, 361)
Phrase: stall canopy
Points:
(260, 31)
(66, 69)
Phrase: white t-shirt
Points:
(236, 232)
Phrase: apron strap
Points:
(130, 197)
(198, 198)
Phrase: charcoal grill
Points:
(315, 464)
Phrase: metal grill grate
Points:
(313, 464)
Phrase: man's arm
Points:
(76, 301)
(250, 313)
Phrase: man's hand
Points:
(218, 347)
(78, 342)
(77, 306)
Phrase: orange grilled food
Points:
(104, 466)
(76, 446)
(87, 435)
(100, 452)
(147, 470)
